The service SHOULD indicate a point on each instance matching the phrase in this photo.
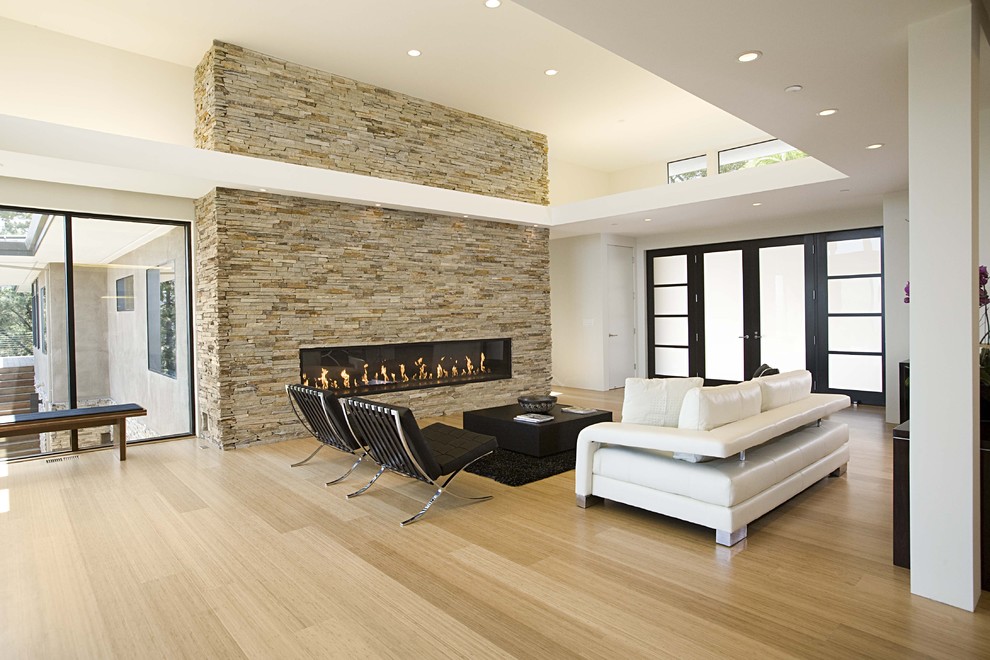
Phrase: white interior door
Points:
(620, 316)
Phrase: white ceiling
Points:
(600, 111)
(611, 107)
(847, 54)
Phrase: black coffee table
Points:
(533, 439)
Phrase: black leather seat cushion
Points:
(453, 448)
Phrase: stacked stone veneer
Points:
(277, 273)
(257, 105)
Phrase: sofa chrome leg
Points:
(839, 471)
(723, 537)
(584, 501)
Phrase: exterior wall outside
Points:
(276, 274)
(51, 368)
(130, 380)
(253, 104)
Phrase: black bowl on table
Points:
(537, 404)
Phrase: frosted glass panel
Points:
(782, 313)
(723, 315)
(671, 331)
(670, 270)
(854, 296)
(855, 372)
(860, 256)
(670, 300)
(855, 333)
(671, 362)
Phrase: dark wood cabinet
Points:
(902, 499)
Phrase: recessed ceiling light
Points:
(551, 72)
(536, 226)
(413, 53)
(263, 189)
(750, 56)
(378, 205)
(492, 4)
(757, 203)
(647, 219)
(793, 88)
(828, 112)
(874, 146)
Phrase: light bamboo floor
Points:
(183, 551)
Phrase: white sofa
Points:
(737, 451)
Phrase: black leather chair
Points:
(321, 414)
(395, 441)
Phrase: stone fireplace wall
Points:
(278, 273)
(256, 105)
(275, 274)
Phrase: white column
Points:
(943, 192)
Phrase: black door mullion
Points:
(751, 309)
(696, 312)
(813, 364)
(70, 326)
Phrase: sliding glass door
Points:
(114, 327)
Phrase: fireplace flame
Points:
(381, 373)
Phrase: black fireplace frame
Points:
(503, 372)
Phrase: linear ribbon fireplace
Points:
(352, 370)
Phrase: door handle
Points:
(744, 336)
(611, 335)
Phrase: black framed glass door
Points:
(798, 302)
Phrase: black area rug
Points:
(515, 469)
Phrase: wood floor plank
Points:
(189, 552)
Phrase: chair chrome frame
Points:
(310, 404)
(388, 445)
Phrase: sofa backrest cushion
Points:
(781, 389)
(656, 401)
(708, 408)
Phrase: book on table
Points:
(579, 411)
(533, 418)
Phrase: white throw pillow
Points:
(656, 401)
(710, 407)
(780, 389)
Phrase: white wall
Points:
(573, 183)
(64, 80)
(634, 178)
(896, 312)
(577, 291)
